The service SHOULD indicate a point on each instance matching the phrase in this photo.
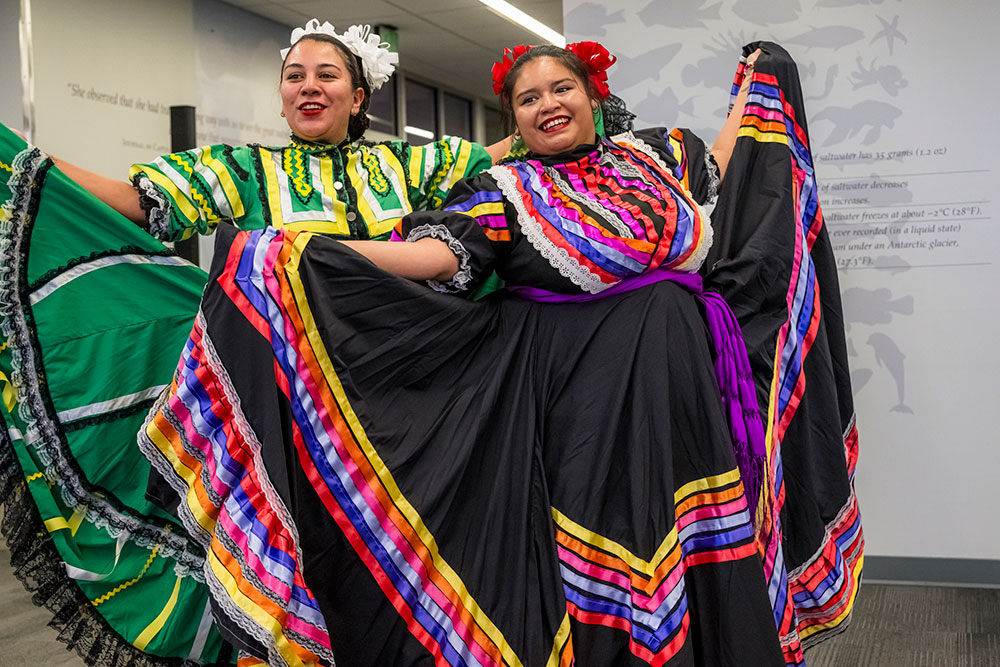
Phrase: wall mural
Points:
(903, 150)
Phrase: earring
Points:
(282, 114)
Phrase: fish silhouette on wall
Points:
(767, 13)
(630, 71)
(888, 356)
(873, 308)
(865, 306)
(662, 109)
(716, 69)
(870, 115)
(831, 79)
(679, 14)
(827, 37)
(595, 17)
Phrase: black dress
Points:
(382, 474)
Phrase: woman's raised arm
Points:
(722, 149)
(119, 195)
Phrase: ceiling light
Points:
(515, 15)
(418, 131)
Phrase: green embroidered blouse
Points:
(353, 190)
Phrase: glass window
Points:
(421, 113)
(457, 116)
(382, 109)
(493, 125)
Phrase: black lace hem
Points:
(38, 566)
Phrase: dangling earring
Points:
(517, 148)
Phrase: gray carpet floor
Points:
(892, 626)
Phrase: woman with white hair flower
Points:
(95, 317)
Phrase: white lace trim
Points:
(712, 167)
(214, 364)
(158, 216)
(559, 258)
(697, 258)
(460, 282)
(219, 592)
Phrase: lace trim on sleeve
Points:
(155, 205)
(464, 276)
(712, 167)
(697, 258)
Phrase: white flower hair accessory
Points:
(377, 61)
(311, 28)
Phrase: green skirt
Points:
(93, 314)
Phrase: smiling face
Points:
(552, 109)
(317, 96)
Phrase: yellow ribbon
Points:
(73, 524)
(153, 628)
(9, 393)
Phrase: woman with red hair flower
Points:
(572, 471)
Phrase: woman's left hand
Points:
(722, 149)
(751, 63)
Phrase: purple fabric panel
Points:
(732, 367)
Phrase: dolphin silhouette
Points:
(888, 356)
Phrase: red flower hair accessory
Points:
(501, 68)
(598, 59)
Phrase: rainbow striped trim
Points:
(254, 561)
(818, 596)
(552, 205)
(606, 584)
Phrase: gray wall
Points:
(10, 64)
(900, 105)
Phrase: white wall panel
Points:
(902, 110)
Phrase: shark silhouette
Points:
(827, 37)
(679, 14)
(593, 17)
(630, 71)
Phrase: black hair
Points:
(359, 122)
(617, 118)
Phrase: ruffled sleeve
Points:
(473, 224)
(434, 169)
(191, 191)
(689, 158)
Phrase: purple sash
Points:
(732, 367)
